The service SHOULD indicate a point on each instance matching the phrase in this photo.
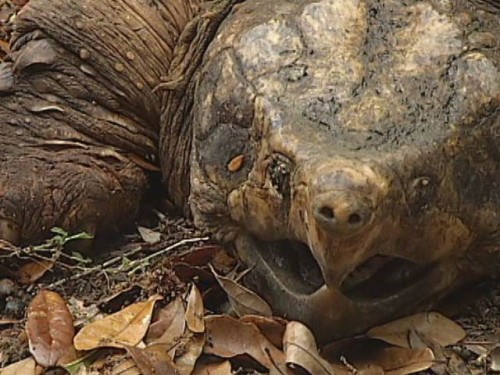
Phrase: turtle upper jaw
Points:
(293, 284)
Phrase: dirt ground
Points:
(134, 266)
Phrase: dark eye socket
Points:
(279, 173)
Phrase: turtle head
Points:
(331, 147)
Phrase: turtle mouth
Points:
(382, 276)
(378, 278)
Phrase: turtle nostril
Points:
(354, 219)
(327, 213)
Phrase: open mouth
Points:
(377, 278)
(380, 277)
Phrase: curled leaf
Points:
(170, 326)
(50, 330)
(273, 328)
(228, 337)
(402, 361)
(31, 272)
(25, 367)
(194, 311)
(152, 360)
(242, 300)
(186, 362)
(124, 328)
(432, 328)
(223, 368)
(301, 350)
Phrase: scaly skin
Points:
(79, 117)
(370, 131)
(365, 133)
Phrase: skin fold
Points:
(349, 150)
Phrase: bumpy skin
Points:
(370, 133)
(78, 116)
(350, 149)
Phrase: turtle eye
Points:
(279, 174)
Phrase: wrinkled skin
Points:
(349, 149)
(371, 137)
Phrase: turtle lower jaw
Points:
(381, 289)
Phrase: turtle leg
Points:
(78, 190)
(77, 105)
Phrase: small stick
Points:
(102, 267)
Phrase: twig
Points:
(117, 259)
(144, 261)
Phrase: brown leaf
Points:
(50, 330)
(199, 256)
(301, 350)
(117, 300)
(152, 360)
(456, 365)
(31, 272)
(124, 328)
(126, 367)
(402, 361)
(174, 324)
(223, 262)
(223, 368)
(495, 359)
(242, 300)
(185, 363)
(24, 367)
(273, 328)
(4, 48)
(228, 337)
(432, 328)
(194, 311)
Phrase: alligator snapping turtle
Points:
(350, 149)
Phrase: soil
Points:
(113, 287)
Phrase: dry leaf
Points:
(117, 300)
(126, 367)
(495, 359)
(148, 235)
(223, 368)
(199, 256)
(432, 328)
(185, 363)
(153, 360)
(273, 328)
(242, 300)
(4, 48)
(126, 327)
(173, 322)
(24, 367)
(402, 361)
(31, 272)
(50, 330)
(301, 350)
(194, 311)
(456, 365)
(228, 337)
(223, 262)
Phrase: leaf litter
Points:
(179, 338)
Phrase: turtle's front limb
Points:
(78, 189)
(78, 112)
